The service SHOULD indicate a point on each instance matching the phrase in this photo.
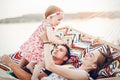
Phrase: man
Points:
(60, 54)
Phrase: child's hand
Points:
(43, 64)
(64, 41)
(43, 34)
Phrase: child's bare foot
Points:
(5, 59)
(34, 78)
(31, 65)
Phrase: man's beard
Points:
(56, 58)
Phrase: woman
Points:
(92, 61)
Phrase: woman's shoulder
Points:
(86, 73)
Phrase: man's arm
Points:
(23, 62)
(18, 71)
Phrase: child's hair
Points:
(51, 10)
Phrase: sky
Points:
(14, 8)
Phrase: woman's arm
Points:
(76, 74)
(52, 37)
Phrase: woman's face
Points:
(92, 58)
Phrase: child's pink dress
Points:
(32, 49)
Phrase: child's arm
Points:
(52, 37)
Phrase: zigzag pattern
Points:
(81, 43)
(16, 57)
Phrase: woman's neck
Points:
(83, 67)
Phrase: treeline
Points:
(80, 15)
(24, 18)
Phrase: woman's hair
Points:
(102, 62)
(51, 10)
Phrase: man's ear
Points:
(94, 66)
(65, 58)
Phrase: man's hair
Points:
(51, 10)
(67, 53)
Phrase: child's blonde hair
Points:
(51, 10)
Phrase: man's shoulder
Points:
(68, 65)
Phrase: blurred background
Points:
(19, 18)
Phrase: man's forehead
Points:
(61, 46)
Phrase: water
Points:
(13, 35)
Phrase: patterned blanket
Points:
(5, 76)
(81, 43)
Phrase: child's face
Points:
(55, 20)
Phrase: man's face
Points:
(59, 53)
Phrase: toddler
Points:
(32, 49)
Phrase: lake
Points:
(13, 35)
